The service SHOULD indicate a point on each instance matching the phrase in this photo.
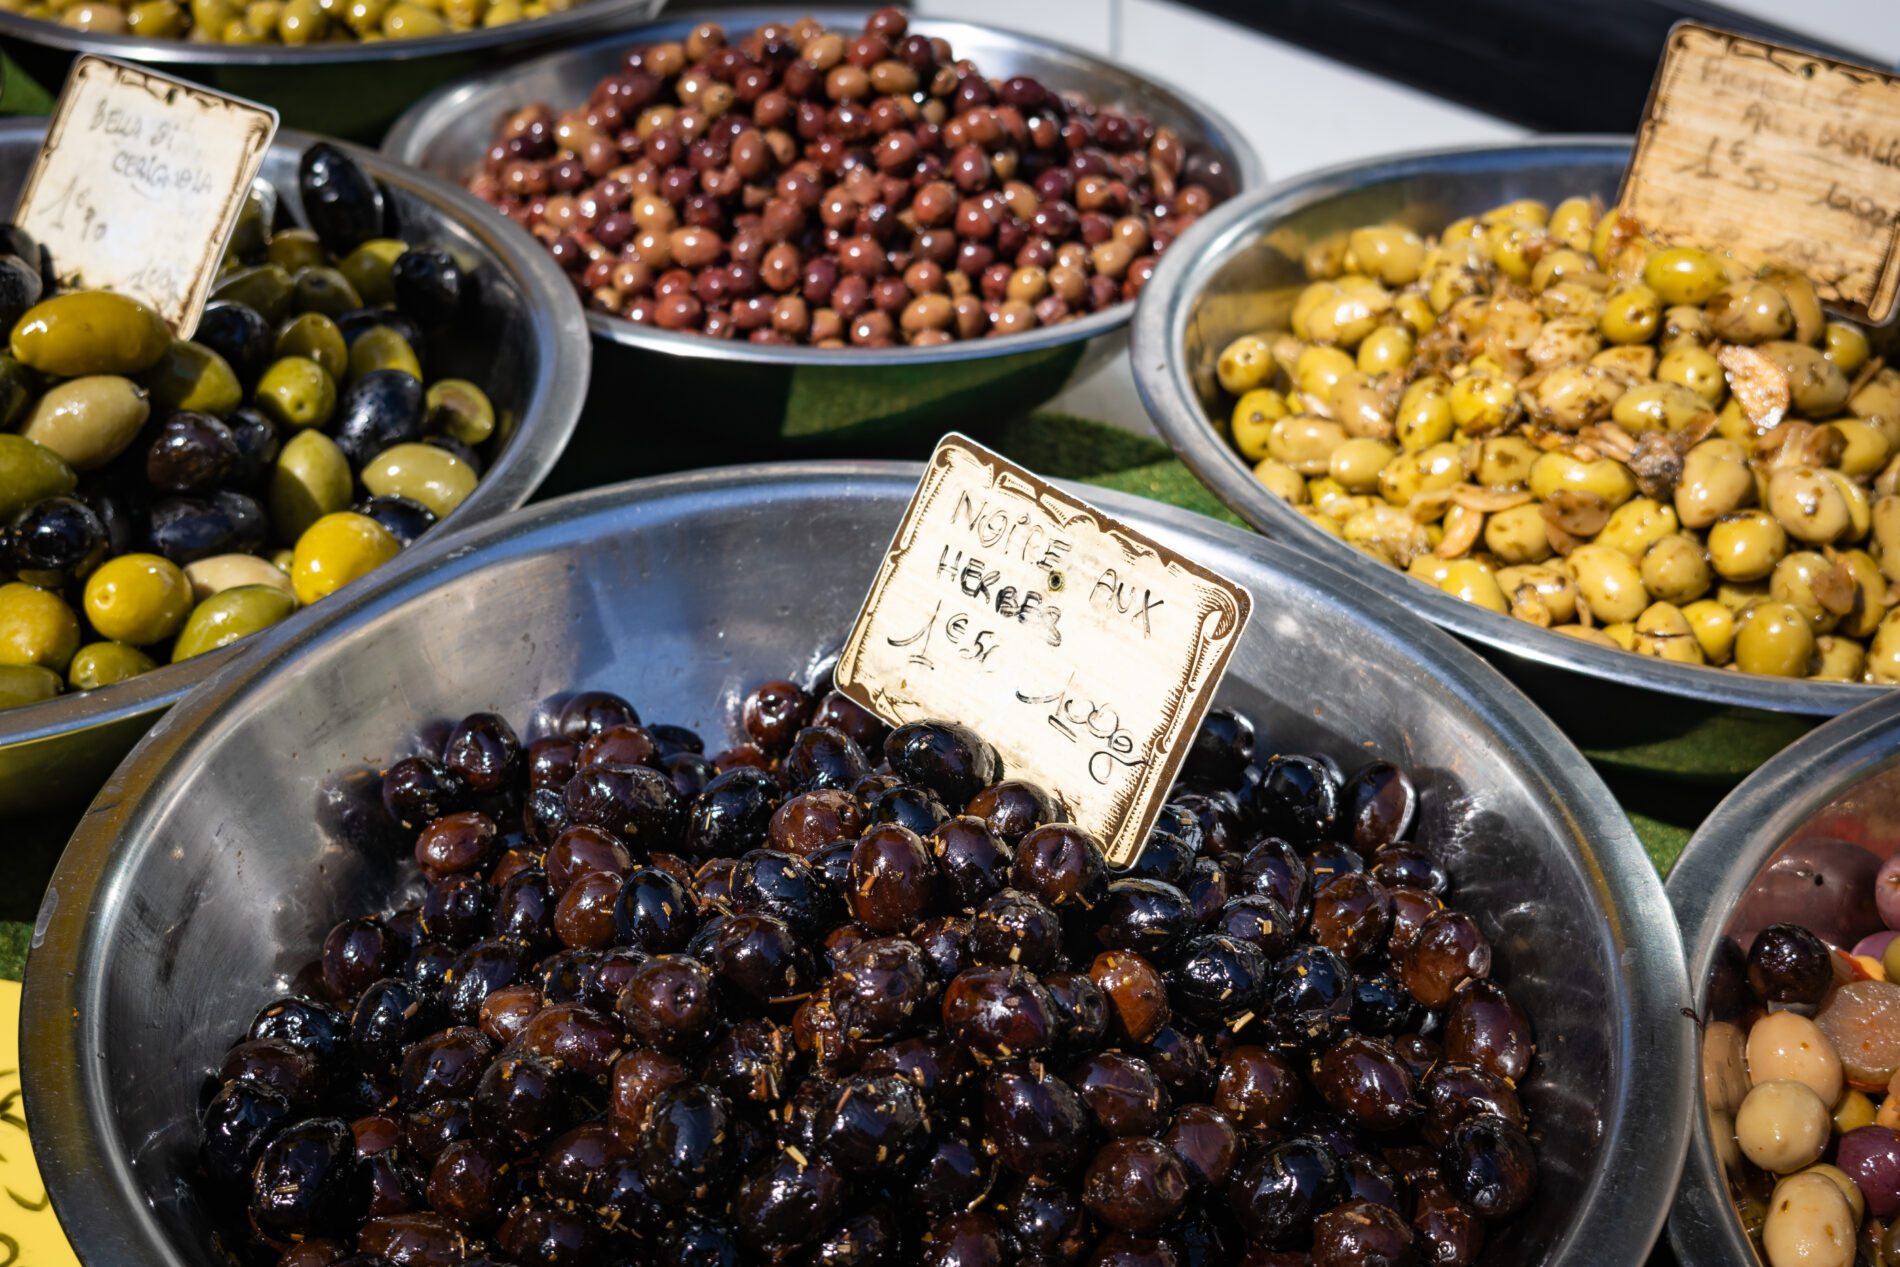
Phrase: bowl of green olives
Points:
(1788, 896)
(870, 230)
(342, 70)
(377, 362)
(1463, 366)
(627, 632)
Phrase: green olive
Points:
(1391, 253)
(1816, 384)
(1573, 396)
(1684, 328)
(1749, 312)
(22, 684)
(1386, 349)
(90, 332)
(1684, 274)
(1539, 592)
(1864, 447)
(19, 388)
(1253, 417)
(382, 348)
(89, 421)
(1838, 660)
(311, 480)
(1475, 583)
(296, 249)
(1663, 631)
(421, 472)
(156, 19)
(1305, 442)
(1696, 369)
(1715, 480)
(36, 627)
(1281, 479)
(1609, 479)
(1244, 364)
(296, 392)
(1746, 544)
(1883, 652)
(1659, 406)
(106, 663)
(1636, 525)
(1608, 581)
(1713, 625)
(1424, 414)
(1676, 569)
(1518, 535)
(1870, 599)
(1631, 315)
(265, 287)
(1809, 505)
(315, 337)
(1774, 638)
(408, 21)
(229, 615)
(192, 376)
(31, 472)
(138, 599)
(1482, 402)
(1794, 580)
(1845, 345)
(221, 572)
(367, 268)
(324, 290)
(1319, 369)
(1803, 304)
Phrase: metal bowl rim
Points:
(1161, 378)
(421, 123)
(555, 317)
(164, 54)
(66, 969)
(1712, 873)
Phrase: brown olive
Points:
(892, 879)
(999, 1013)
(1448, 950)
(1137, 997)
(1122, 1093)
(1363, 1234)
(1364, 1079)
(1135, 1184)
(1485, 1027)
(1258, 1088)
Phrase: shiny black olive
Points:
(1145, 916)
(428, 968)
(308, 1182)
(564, 976)
(341, 202)
(186, 529)
(1489, 1165)
(239, 334)
(192, 453)
(690, 772)
(1221, 749)
(1216, 813)
(767, 882)
(972, 861)
(389, 1015)
(867, 1238)
(20, 287)
(945, 757)
(1279, 1191)
(1789, 964)
(1176, 820)
(1165, 857)
(1260, 919)
(683, 1150)
(1081, 1009)
(381, 409)
(122, 527)
(479, 971)
(674, 739)
(1218, 977)
(1011, 927)
(458, 910)
(1036, 1122)
(761, 958)
(1330, 860)
(733, 815)
(445, 1066)
(789, 1202)
(484, 750)
(823, 757)
(833, 863)
(1376, 806)
(908, 805)
(1273, 868)
(359, 321)
(1297, 799)
(1404, 865)
(523, 1099)
(429, 285)
(1380, 1005)
(257, 446)
(314, 1027)
(635, 802)
(654, 913)
(875, 1120)
(56, 541)
(419, 790)
(241, 1119)
(405, 518)
(1311, 996)
(690, 1242)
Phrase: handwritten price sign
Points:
(140, 183)
(1085, 652)
(1774, 155)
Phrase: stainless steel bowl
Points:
(1237, 271)
(764, 401)
(230, 841)
(1806, 830)
(351, 89)
(530, 354)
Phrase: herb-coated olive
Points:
(1485, 1027)
(239, 334)
(1273, 867)
(1137, 996)
(823, 757)
(192, 453)
(1489, 1165)
(1222, 748)
(1011, 927)
(1448, 951)
(307, 1024)
(1789, 964)
(999, 1013)
(686, 1143)
(1258, 918)
(1280, 1190)
(308, 1182)
(876, 1120)
(1012, 809)
(1036, 1121)
(907, 805)
(971, 860)
(893, 878)
(244, 1116)
(404, 519)
(389, 1015)
(788, 1203)
(947, 758)
(1122, 1093)
(733, 814)
(341, 201)
(1297, 798)
(774, 712)
(1258, 1088)
(1145, 916)
(1311, 995)
(1218, 977)
(761, 958)
(767, 882)
(429, 285)
(1364, 1079)
(376, 412)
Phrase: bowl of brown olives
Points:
(1789, 894)
(343, 70)
(835, 229)
(375, 364)
(606, 930)
(1587, 495)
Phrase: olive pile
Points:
(1803, 1088)
(811, 186)
(292, 22)
(786, 1005)
(145, 479)
(1548, 414)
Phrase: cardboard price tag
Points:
(140, 183)
(1085, 652)
(1774, 155)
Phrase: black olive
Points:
(1218, 977)
(1376, 806)
(674, 739)
(908, 805)
(17, 241)
(390, 1014)
(458, 910)
(760, 957)
(381, 409)
(1489, 1165)
(406, 519)
(690, 1242)
(1273, 868)
(484, 750)
(768, 882)
(654, 913)
(875, 1120)
(479, 971)
(359, 321)
(445, 1066)
(1279, 1191)
(341, 202)
(186, 529)
(683, 1149)
(1381, 1006)
(56, 541)
(1311, 996)
(240, 335)
(635, 802)
(314, 1027)
(428, 970)
(257, 446)
(308, 1182)
(20, 287)
(690, 772)
(524, 1098)
(1789, 964)
(241, 1119)
(1036, 1122)
(1221, 749)
(1145, 916)
(466, 452)
(732, 816)
(192, 453)
(879, 986)
(429, 285)
(1165, 857)
(1297, 799)
(821, 757)
(122, 530)
(1011, 927)
(947, 758)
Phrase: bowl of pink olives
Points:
(848, 226)
(604, 930)
(1789, 897)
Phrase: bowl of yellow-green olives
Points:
(380, 359)
(342, 67)
(1655, 486)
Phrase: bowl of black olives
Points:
(542, 902)
(378, 361)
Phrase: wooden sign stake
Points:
(1083, 651)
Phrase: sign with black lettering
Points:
(1085, 652)
(140, 182)
(1777, 156)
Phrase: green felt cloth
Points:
(20, 93)
(13, 939)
